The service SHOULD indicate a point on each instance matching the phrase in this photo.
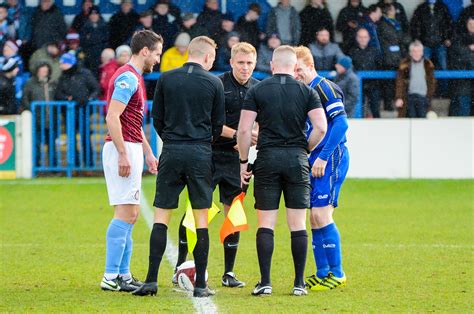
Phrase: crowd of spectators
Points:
(373, 38)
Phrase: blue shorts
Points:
(325, 190)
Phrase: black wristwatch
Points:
(234, 137)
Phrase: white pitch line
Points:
(201, 305)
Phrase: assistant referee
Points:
(188, 112)
(281, 105)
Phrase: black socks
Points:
(201, 252)
(299, 248)
(265, 244)
(183, 244)
(158, 239)
(231, 243)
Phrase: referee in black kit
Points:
(225, 157)
(281, 106)
(188, 112)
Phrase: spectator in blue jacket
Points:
(369, 22)
(224, 53)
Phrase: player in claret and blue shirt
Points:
(330, 162)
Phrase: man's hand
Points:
(399, 103)
(254, 137)
(124, 166)
(244, 174)
(151, 163)
(319, 167)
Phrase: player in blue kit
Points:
(330, 162)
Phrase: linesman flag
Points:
(190, 224)
(236, 219)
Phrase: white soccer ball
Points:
(186, 275)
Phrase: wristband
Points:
(234, 137)
(243, 161)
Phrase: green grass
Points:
(407, 247)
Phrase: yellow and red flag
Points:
(236, 219)
(190, 224)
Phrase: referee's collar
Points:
(236, 83)
(193, 64)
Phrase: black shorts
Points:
(284, 170)
(184, 165)
(226, 174)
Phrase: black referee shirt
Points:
(234, 98)
(282, 105)
(188, 105)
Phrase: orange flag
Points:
(236, 219)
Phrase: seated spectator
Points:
(7, 29)
(348, 22)
(10, 51)
(466, 14)
(462, 58)
(122, 24)
(349, 84)
(164, 23)
(247, 26)
(107, 69)
(50, 54)
(365, 58)
(191, 27)
(227, 26)
(81, 18)
(224, 52)
(369, 22)
(9, 103)
(79, 85)
(123, 54)
(47, 24)
(325, 52)
(431, 24)
(391, 41)
(400, 14)
(145, 21)
(210, 18)
(265, 53)
(39, 88)
(285, 21)
(314, 17)
(94, 39)
(177, 55)
(415, 84)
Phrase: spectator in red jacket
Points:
(107, 69)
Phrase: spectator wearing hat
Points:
(315, 16)
(79, 85)
(284, 20)
(224, 52)
(348, 82)
(265, 53)
(325, 53)
(49, 53)
(122, 24)
(8, 103)
(73, 42)
(210, 18)
(47, 24)
(164, 23)
(94, 39)
(107, 69)
(81, 18)
(227, 26)
(40, 88)
(177, 55)
(348, 22)
(10, 51)
(247, 26)
(190, 26)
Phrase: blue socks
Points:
(116, 243)
(124, 269)
(332, 247)
(319, 253)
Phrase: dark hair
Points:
(255, 7)
(144, 38)
(372, 8)
(386, 7)
(4, 5)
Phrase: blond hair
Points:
(244, 48)
(304, 54)
(284, 56)
(201, 46)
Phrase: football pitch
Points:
(407, 247)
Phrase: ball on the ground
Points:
(186, 275)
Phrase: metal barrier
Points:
(68, 138)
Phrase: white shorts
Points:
(123, 190)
